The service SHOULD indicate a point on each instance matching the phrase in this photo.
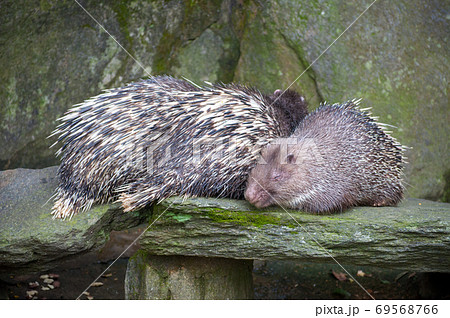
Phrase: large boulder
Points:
(55, 55)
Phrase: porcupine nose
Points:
(250, 194)
(253, 195)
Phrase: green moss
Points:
(140, 259)
(45, 5)
(162, 62)
(10, 105)
(179, 217)
(446, 195)
(102, 234)
(245, 219)
(123, 16)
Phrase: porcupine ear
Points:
(290, 159)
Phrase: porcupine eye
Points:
(276, 175)
(290, 159)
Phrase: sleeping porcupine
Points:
(338, 157)
(164, 136)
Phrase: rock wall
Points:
(395, 57)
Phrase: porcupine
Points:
(110, 142)
(338, 157)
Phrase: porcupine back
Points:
(338, 157)
(161, 137)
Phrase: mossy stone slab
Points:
(414, 235)
(30, 240)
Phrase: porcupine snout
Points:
(257, 196)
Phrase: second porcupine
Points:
(338, 157)
(110, 142)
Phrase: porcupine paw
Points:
(381, 202)
(63, 209)
(128, 203)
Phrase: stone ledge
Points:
(414, 236)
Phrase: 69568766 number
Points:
(406, 309)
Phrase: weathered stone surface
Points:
(214, 54)
(180, 277)
(269, 60)
(413, 236)
(30, 240)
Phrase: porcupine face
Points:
(271, 181)
(340, 158)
